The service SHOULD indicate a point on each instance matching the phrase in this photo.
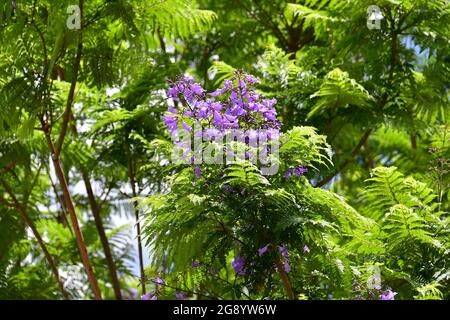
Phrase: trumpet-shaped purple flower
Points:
(186, 127)
(171, 122)
(198, 172)
(179, 296)
(284, 252)
(238, 265)
(195, 264)
(149, 296)
(287, 266)
(197, 89)
(388, 295)
(306, 249)
(263, 250)
(173, 110)
(297, 171)
(250, 79)
(158, 280)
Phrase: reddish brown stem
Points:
(72, 213)
(96, 212)
(102, 234)
(285, 279)
(414, 141)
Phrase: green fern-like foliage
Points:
(340, 91)
(410, 231)
(235, 210)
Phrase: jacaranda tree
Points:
(238, 149)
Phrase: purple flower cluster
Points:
(286, 261)
(297, 171)
(235, 105)
(284, 253)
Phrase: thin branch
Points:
(132, 178)
(344, 164)
(24, 215)
(70, 98)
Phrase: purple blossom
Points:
(173, 110)
(388, 295)
(272, 133)
(195, 264)
(284, 252)
(300, 171)
(171, 122)
(238, 265)
(270, 115)
(149, 296)
(217, 120)
(263, 250)
(186, 127)
(226, 85)
(306, 249)
(173, 92)
(297, 171)
(179, 296)
(197, 89)
(198, 172)
(287, 266)
(250, 79)
(239, 110)
(212, 134)
(158, 280)
(218, 92)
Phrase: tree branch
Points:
(343, 165)
(24, 215)
(70, 98)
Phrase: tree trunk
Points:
(103, 238)
(71, 209)
(96, 212)
(285, 279)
